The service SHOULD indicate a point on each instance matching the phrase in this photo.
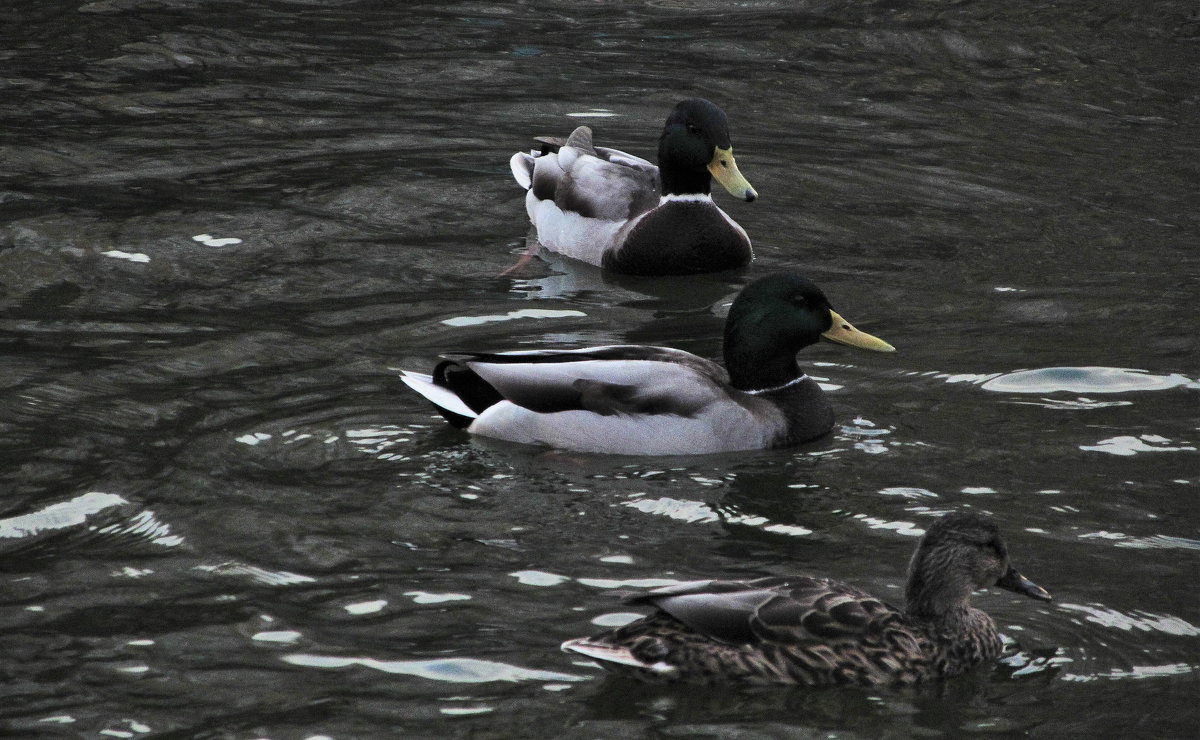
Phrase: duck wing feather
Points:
(795, 610)
(593, 182)
(618, 379)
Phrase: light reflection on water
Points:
(59, 516)
(1137, 672)
(1125, 445)
(1084, 380)
(1138, 621)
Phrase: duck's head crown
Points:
(701, 118)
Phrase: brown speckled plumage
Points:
(819, 632)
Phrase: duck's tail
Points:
(619, 659)
(447, 402)
(579, 142)
(522, 165)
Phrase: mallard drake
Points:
(636, 400)
(619, 211)
(817, 631)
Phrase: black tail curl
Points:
(474, 391)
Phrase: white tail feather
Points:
(521, 165)
(613, 654)
(601, 652)
(436, 394)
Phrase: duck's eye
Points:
(799, 301)
(693, 129)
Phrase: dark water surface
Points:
(224, 224)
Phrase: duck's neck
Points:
(681, 177)
(935, 593)
(945, 619)
(759, 364)
(685, 182)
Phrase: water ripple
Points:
(539, 578)
(1136, 672)
(1153, 542)
(255, 573)
(425, 597)
(61, 515)
(610, 583)
(88, 519)
(1136, 620)
(1092, 641)
(524, 313)
(698, 512)
(1084, 380)
(909, 529)
(1126, 445)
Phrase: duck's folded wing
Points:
(721, 610)
(822, 611)
(604, 380)
(593, 182)
(791, 610)
(594, 187)
(625, 159)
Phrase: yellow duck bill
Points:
(843, 332)
(724, 170)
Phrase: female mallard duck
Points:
(619, 211)
(816, 631)
(634, 400)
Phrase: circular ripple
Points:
(1083, 380)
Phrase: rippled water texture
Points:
(226, 225)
